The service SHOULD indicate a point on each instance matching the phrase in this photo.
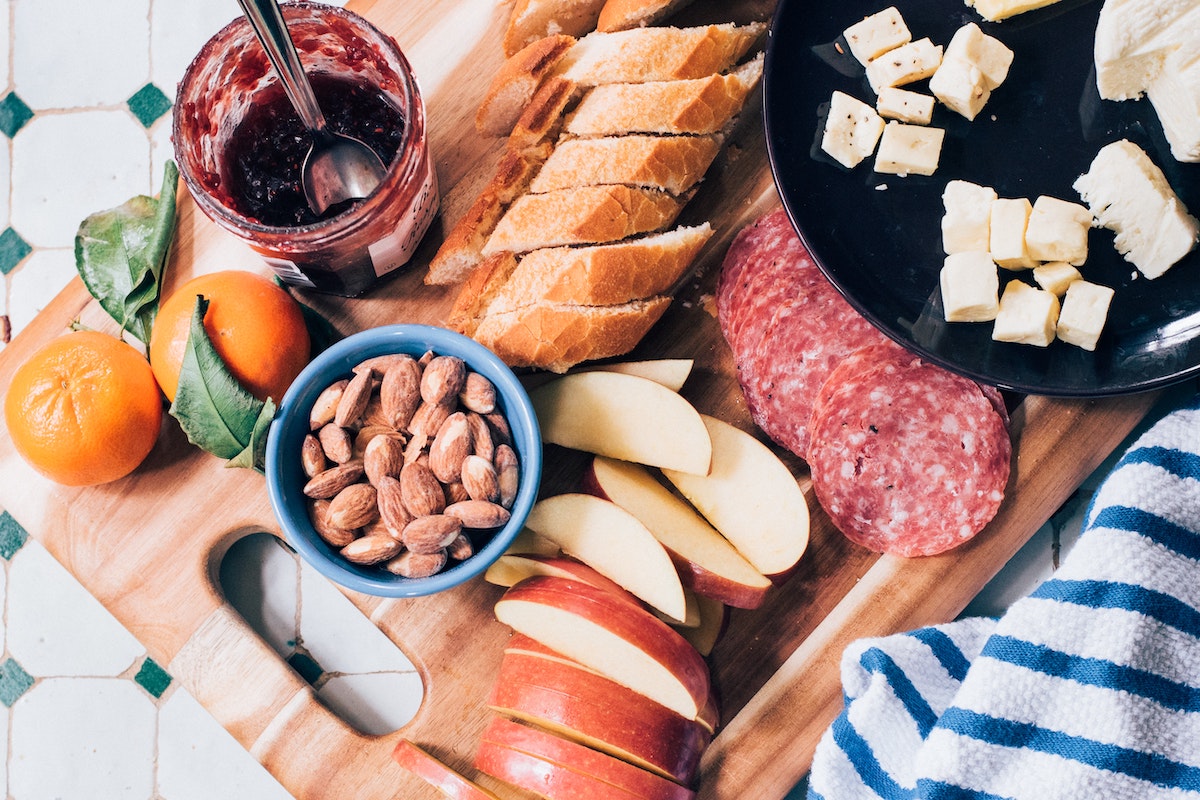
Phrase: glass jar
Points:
(343, 253)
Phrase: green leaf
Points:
(120, 254)
(215, 411)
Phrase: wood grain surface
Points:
(149, 546)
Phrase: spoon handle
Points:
(267, 20)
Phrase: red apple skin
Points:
(437, 774)
(657, 639)
(565, 770)
(614, 718)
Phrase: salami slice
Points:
(908, 458)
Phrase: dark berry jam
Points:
(265, 153)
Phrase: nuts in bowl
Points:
(403, 460)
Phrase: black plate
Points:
(882, 247)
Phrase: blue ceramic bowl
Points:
(286, 478)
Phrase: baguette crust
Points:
(671, 163)
(530, 20)
(516, 83)
(479, 291)
(621, 15)
(540, 121)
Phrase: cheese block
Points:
(961, 87)
(1026, 316)
(904, 105)
(909, 149)
(996, 10)
(876, 34)
(1083, 314)
(852, 128)
(966, 225)
(1009, 219)
(1058, 231)
(1056, 276)
(970, 287)
(1129, 194)
(906, 64)
(671, 163)
(1175, 94)
(989, 55)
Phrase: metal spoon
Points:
(337, 168)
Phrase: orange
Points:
(84, 409)
(256, 327)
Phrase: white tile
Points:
(59, 43)
(161, 149)
(261, 579)
(5, 715)
(82, 739)
(3, 616)
(5, 178)
(55, 627)
(338, 635)
(374, 704)
(67, 166)
(5, 31)
(178, 29)
(39, 279)
(200, 760)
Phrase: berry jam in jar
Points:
(239, 145)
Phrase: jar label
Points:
(397, 248)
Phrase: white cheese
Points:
(960, 86)
(1084, 312)
(966, 223)
(852, 128)
(873, 36)
(1129, 194)
(909, 149)
(1058, 231)
(970, 287)
(1056, 276)
(903, 105)
(996, 10)
(1026, 316)
(1010, 216)
(1175, 94)
(990, 55)
(908, 63)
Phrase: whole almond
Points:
(392, 511)
(368, 432)
(478, 394)
(329, 482)
(450, 448)
(443, 379)
(353, 507)
(312, 455)
(400, 392)
(371, 549)
(416, 565)
(461, 548)
(508, 473)
(336, 443)
(455, 492)
(354, 399)
(420, 490)
(431, 533)
(478, 514)
(427, 419)
(383, 457)
(318, 511)
(325, 406)
(481, 436)
(480, 480)
(381, 364)
(501, 432)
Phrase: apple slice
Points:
(623, 416)
(509, 570)
(551, 766)
(713, 616)
(751, 497)
(613, 542)
(578, 704)
(670, 372)
(437, 774)
(528, 542)
(706, 561)
(627, 644)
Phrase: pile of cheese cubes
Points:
(962, 77)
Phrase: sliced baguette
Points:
(657, 53)
(671, 163)
(517, 81)
(479, 291)
(541, 120)
(582, 215)
(531, 20)
(621, 15)
(696, 106)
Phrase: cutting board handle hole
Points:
(357, 672)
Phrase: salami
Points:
(908, 458)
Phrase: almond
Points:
(421, 492)
(508, 473)
(443, 380)
(455, 492)
(431, 533)
(381, 364)
(427, 419)
(478, 394)
(328, 483)
(400, 392)
(334, 536)
(415, 449)
(368, 432)
(354, 399)
(478, 514)
(325, 406)
(416, 565)
(450, 448)
(461, 548)
(353, 507)
(383, 457)
(371, 549)
(481, 436)
(392, 511)
(479, 478)
(312, 455)
(501, 432)
(336, 443)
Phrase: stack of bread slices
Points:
(571, 251)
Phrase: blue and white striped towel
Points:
(1087, 688)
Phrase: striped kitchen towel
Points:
(1087, 689)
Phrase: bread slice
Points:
(479, 291)
(530, 20)
(583, 215)
(461, 250)
(657, 53)
(696, 106)
(542, 117)
(621, 15)
(557, 337)
(671, 163)
(517, 81)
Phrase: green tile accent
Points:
(148, 104)
(13, 114)
(307, 666)
(13, 250)
(14, 682)
(153, 678)
(12, 536)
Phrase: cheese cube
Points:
(904, 105)
(1175, 94)
(1026, 316)
(851, 130)
(909, 149)
(906, 64)
(961, 86)
(1055, 277)
(996, 10)
(1058, 231)
(966, 223)
(1129, 195)
(970, 287)
(1007, 240)
(1084, 312)
(875, 35)
(987, 53)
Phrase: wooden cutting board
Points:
(149, 546)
